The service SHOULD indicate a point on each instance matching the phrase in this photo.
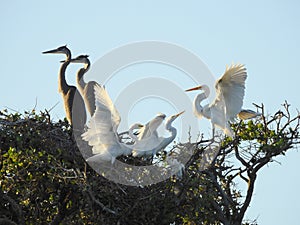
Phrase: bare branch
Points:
(101, 204)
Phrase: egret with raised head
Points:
(102, 129)
(154, 142)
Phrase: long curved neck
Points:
(173, 132)
(63, 87)
(171, 129)
(199, 110)
(80, 73)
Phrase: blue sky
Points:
(263, 35)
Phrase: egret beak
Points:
(51, 51)
(194, 88)
(180, 113)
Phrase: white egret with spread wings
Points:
(102, 129)
(230, 91)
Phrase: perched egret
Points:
(150, 145)
(86, 89)
(108, 154)
(75, 112)
(102, 130)
(150, 128)
(230, 91)
(147, 133)
(132, 133)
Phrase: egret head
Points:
(203, 88)
(173, 117)
(136, 126)
(161, 116)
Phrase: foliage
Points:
(44, 178)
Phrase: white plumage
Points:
(149, 143)
(103, 137)
(230, 91)
(102, 129)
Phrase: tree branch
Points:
(101, 204)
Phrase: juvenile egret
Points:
(102, 130)
(86, 89)
(230, 91)
(147, 132)
(150, 128)
(131, 131)
(149, 146)
(75, 112)
(105, 154)
(148, 136)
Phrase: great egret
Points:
(86, 89)
(75, 112)
(148, 138)
(102, 130)
(108, 154)
(150, 128)
(131, 131)
(230, 91)
(151, 144)
(147, 132)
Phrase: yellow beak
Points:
(194, 88)
(179, 113)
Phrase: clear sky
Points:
(263, 35)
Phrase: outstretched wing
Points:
(231, 90)
(89, 95)
(101, 133)
(150, 128)
(103, 101)
(146, 132)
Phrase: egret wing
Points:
(146, 132)
(89, 94)
(151, 127)
(101, 133)
(104, 101)
(231, 90)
